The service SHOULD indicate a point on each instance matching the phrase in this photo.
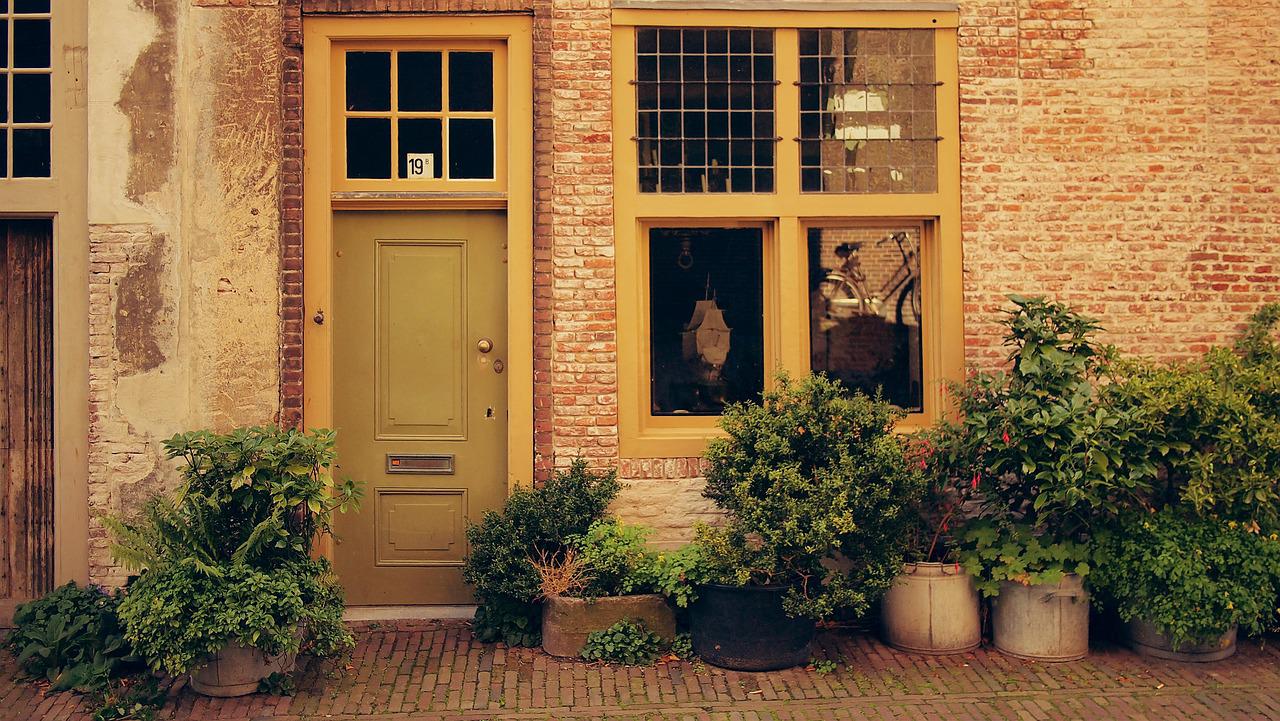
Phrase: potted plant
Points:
(1184, 584)
(817, 492)
(1048, 458)
(933, 606)
(228, 590)
(534, 525)
(605, 576)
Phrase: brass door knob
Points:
(484, 345)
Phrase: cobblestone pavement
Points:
(434, 670)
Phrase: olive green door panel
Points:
(422, 383)
(419, 397)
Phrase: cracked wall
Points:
(185, 152)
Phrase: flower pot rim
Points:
(911, 567)
(597, 599)
(753, 588)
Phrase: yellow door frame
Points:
(320, 199)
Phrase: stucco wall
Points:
(184, 139)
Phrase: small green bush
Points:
(616, 558)
(625, 642)
(504, 545)
(176, 615)
(818, 491)
(72, 638)
(1192, 577)
(993, 552)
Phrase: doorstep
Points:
(357, 614)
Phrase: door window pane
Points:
(470, 148)
(470, 81)
(31, 43)
(368, 147)
(31, 153)
(706, 318)
(419, 81)
(369, 81)
(31, 98)
(865, 310)
(868, 115)
(705, 100)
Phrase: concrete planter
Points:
(237, 669)
(1043, 622)
(1146, 639)
(566, 622)
(932, 608)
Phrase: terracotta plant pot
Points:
(745, 628)
(1146, 639)
(1042, 622)
(566, 621)
(237, 669)
(932, 608)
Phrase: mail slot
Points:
(420, 463)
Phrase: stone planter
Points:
(1146, 639)
(745, 629)
(1043, 622)
(932, 608)
(237, 669)
(566, 621)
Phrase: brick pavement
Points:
(435, 671)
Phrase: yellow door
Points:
(419, 396)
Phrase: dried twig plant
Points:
(564, 574)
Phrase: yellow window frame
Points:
(337, 95)
(785, 214)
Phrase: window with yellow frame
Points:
(787, 197)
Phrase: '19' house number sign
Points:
(421, 165)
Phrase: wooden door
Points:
(26, 411)
(419, 395)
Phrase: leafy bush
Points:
(1039, 442)
(256, 496)
(818, 492)
(534, 522)
(626, 642)
(993, 552)
(677, 573)
(176, 615)
(943, 506)
(617, 560)
(1191, 577)
(682, 647)
(71, 638)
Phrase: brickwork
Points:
(430, 671)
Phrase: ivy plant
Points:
(1192, 577)
(626, 642)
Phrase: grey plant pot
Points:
(932, 609)
(1146, 638)
(1042, 622)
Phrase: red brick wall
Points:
(1121, 157)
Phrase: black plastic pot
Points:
(745, 629)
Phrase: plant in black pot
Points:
(229, 590)
(933, 606)
(1049, 458)
(817, 491)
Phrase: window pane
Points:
(420, 135)
(31, 153)
(867, 108)
(368, 147)
(471, 81)
(369, 81)
(31, 98)
(865, 310)
(31, 6)
(706, 318)
(31, 43)
(419, 81)
(713, 90)
(471, 148)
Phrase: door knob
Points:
(484, 345)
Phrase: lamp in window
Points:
(705, 341)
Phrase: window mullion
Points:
(787, 114)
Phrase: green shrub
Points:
(1191, 577)
(993, 552)
(533, 522)
(682, 647)
(176, 615)
(616, 558)
(625, 642)
(818, 492)
(72, 638)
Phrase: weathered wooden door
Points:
(419, 396)
(26, 411)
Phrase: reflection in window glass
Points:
(865, 310)
(704, 99)
(706, 318)
(868, 115)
